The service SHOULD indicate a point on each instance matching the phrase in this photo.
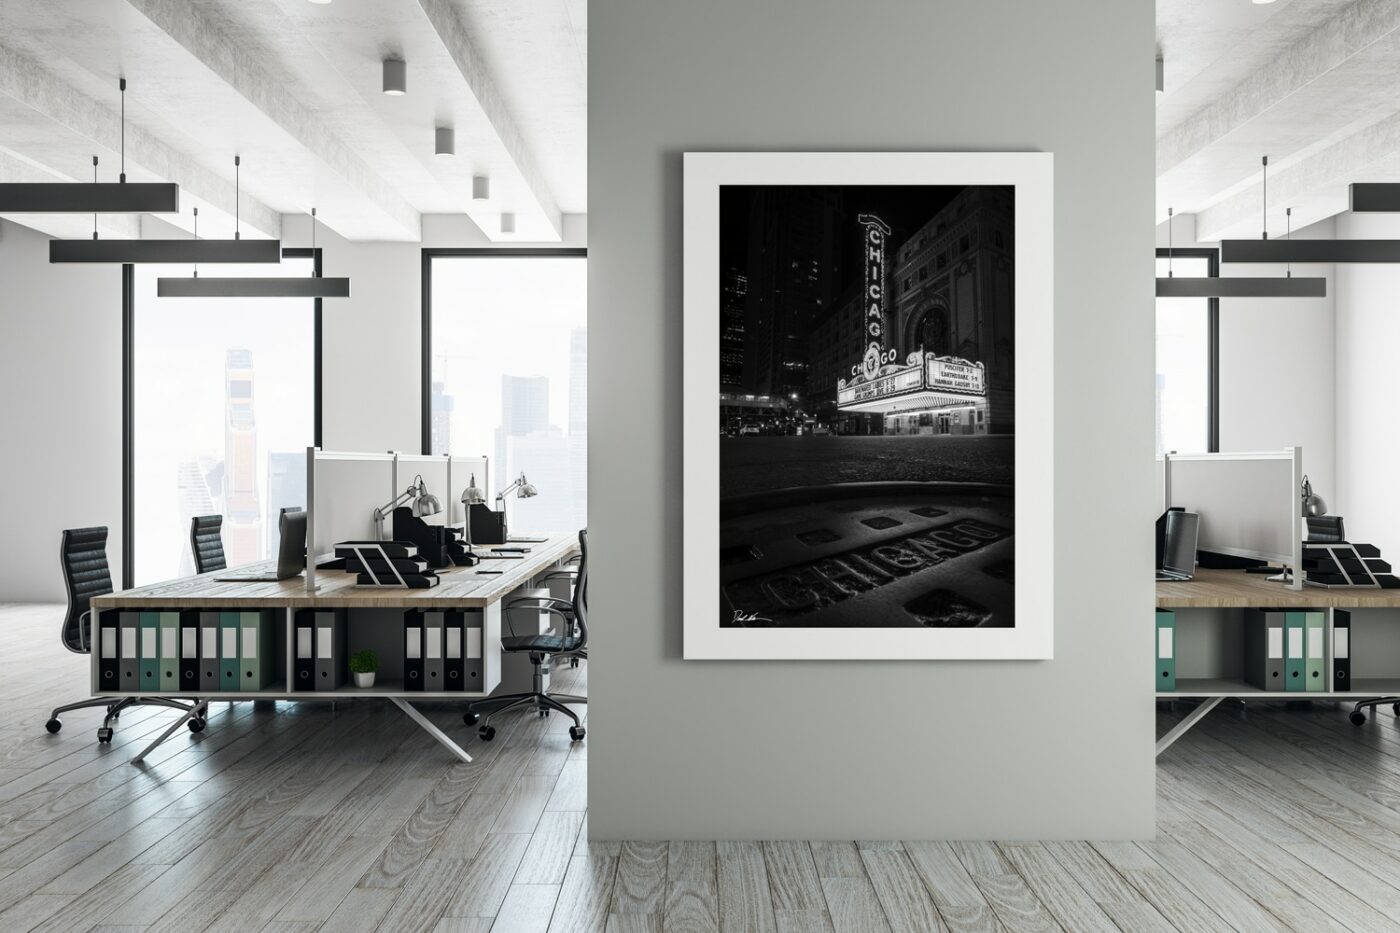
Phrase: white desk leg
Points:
(429, 728)
(1181, 728)
(194, 710)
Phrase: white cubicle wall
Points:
(343, 488)
(1250, 503)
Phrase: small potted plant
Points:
(363, 664)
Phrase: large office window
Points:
(222, 413)
(508, 340)
(1186, 334)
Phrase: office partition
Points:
(342, 491)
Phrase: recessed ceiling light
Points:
(507, 223)
(1262, 2)
(395, 77)
(444, 141)
(481, 188)
(321, 2)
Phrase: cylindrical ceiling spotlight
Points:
(507, 223)
(395, 77)
(481, 188)
(444, 141)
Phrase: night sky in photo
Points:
(905, 208)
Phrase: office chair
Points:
(206, 543)
(573, 573)
(85, 575)
(542, 648)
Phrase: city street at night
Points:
(758, 464)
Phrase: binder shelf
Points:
(202, 639)
(1231, 634)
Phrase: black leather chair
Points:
(85, 575)
(542, 649)
(574, 573)
(206, 543)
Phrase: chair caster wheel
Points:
(196, 725)
(53, 725)
(1396, 708)
(487, 733)
(104, 735)
(576, 733)
(1358, 718)
(471, 719)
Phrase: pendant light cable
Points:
(94, 213)
(1169, 242)
(1264, 202)
(237, 190)
(196, 236)
(1288, 235)
(121, 83)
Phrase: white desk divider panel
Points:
(1250, 503)
(436, 472)
(342, 491)
(460, 472)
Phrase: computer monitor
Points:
(1248, 503)
(1179, 537)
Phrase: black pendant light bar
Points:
(144, 251)
(314, 286)
(1310, 250)
(1375, 198)
(1235, 287)
(42, 197)
(64, 197)
(1242, 287)
(189, 250)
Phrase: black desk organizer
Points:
(488, 526)
(1347, 565)
(440, 546)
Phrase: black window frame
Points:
(129, 395)
(1212, 338)
(434, 252)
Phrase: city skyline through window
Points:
(222, 416)
(509, 378)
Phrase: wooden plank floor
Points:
(293, 817)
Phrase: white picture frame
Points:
(1032, 175)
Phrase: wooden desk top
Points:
(459, 586)
(1235, 589)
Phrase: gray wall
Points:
(886, 749)
(61, 414)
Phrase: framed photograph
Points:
(877, 333)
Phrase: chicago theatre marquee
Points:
(953, 307)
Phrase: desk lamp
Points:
(424, 503)
(471, 496)
(521, 487)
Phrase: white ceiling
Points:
(1312, 84)
(294, 88)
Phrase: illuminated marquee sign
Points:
(876, 230)
(896, 383)
(955, 375)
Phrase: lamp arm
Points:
(382, 512)
(501, 496)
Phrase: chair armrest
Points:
(567, 617)
(537, 603)
(85, 631)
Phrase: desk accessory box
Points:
(377, 563)
(1347, 565)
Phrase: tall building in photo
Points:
(953, 296)
(547, 458)
(441, 429)
(578, 381)
(792, 278)
(733, 295)
(524, 411)
(286, 488)
(242, 530)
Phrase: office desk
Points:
(459, 588)
(1236, 590)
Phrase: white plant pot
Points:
(364, 680)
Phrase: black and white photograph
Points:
(867, 405)
(875, 330)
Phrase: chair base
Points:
(537, 699)
(114, 710)
(1358, 717)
